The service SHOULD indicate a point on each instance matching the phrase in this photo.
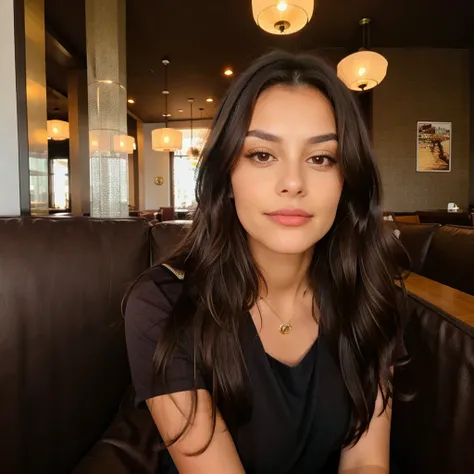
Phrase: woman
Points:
(266, 343)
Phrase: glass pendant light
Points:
(282, 17)
(364, 69)
(193, 152)
(166, 139)
(58, 130)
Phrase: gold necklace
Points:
(285, 327)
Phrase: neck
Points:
(285, 275)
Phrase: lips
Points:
(290, 212)
(290, 217)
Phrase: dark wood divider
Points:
(458, 304)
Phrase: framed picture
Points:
(433, 147)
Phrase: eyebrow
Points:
(269, 137)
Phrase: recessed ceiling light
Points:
(209, 99)
(166, 115)
(131, 101)
(180, 111)
(228, 72)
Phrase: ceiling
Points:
(203, 37)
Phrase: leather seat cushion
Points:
(165, 237)
(416, 238)
(450, 259)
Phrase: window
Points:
(59, 184)
(185, 168)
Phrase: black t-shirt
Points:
(299, 414)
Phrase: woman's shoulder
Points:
(153, 295)
(148, 308)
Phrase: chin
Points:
(288, 244)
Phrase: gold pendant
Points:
(285, 328)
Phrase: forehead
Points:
(287, 110)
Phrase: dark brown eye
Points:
(321, 160)
(318, 160)
(260, 157)
(263, 157)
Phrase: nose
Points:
(292, 180)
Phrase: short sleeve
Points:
(148, 309)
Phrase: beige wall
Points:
(422, 85)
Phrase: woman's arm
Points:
(371, 455)
(170, 413)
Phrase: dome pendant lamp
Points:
(166, 139)
(193, 152)
(282, 17)
(365, 69)
(58, 130)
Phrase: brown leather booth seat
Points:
(65, 396)
(442, 217)
(416, 238)
(441, 253)
(63, 363)
(446, 218)
(450, 258)
(165, 237)
(434, 432)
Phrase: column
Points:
(471, 127)
(35, 56)
(78, 142)
(132, 162)
(106, 65)
(24, 172)
(140, 167)
(9, 171)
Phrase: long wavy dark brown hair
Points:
(353, 270)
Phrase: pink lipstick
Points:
(290, 217)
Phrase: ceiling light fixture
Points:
(282, 17)
(209, 99)
(124, 143)
(58, 130)
(180, 111)
(365, 69)
(193, 152)
(130, 101)
(105, 140)
(166, 139)
(228, 72)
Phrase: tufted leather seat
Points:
(450, 258)
(65, 395)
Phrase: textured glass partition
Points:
(107, 91)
